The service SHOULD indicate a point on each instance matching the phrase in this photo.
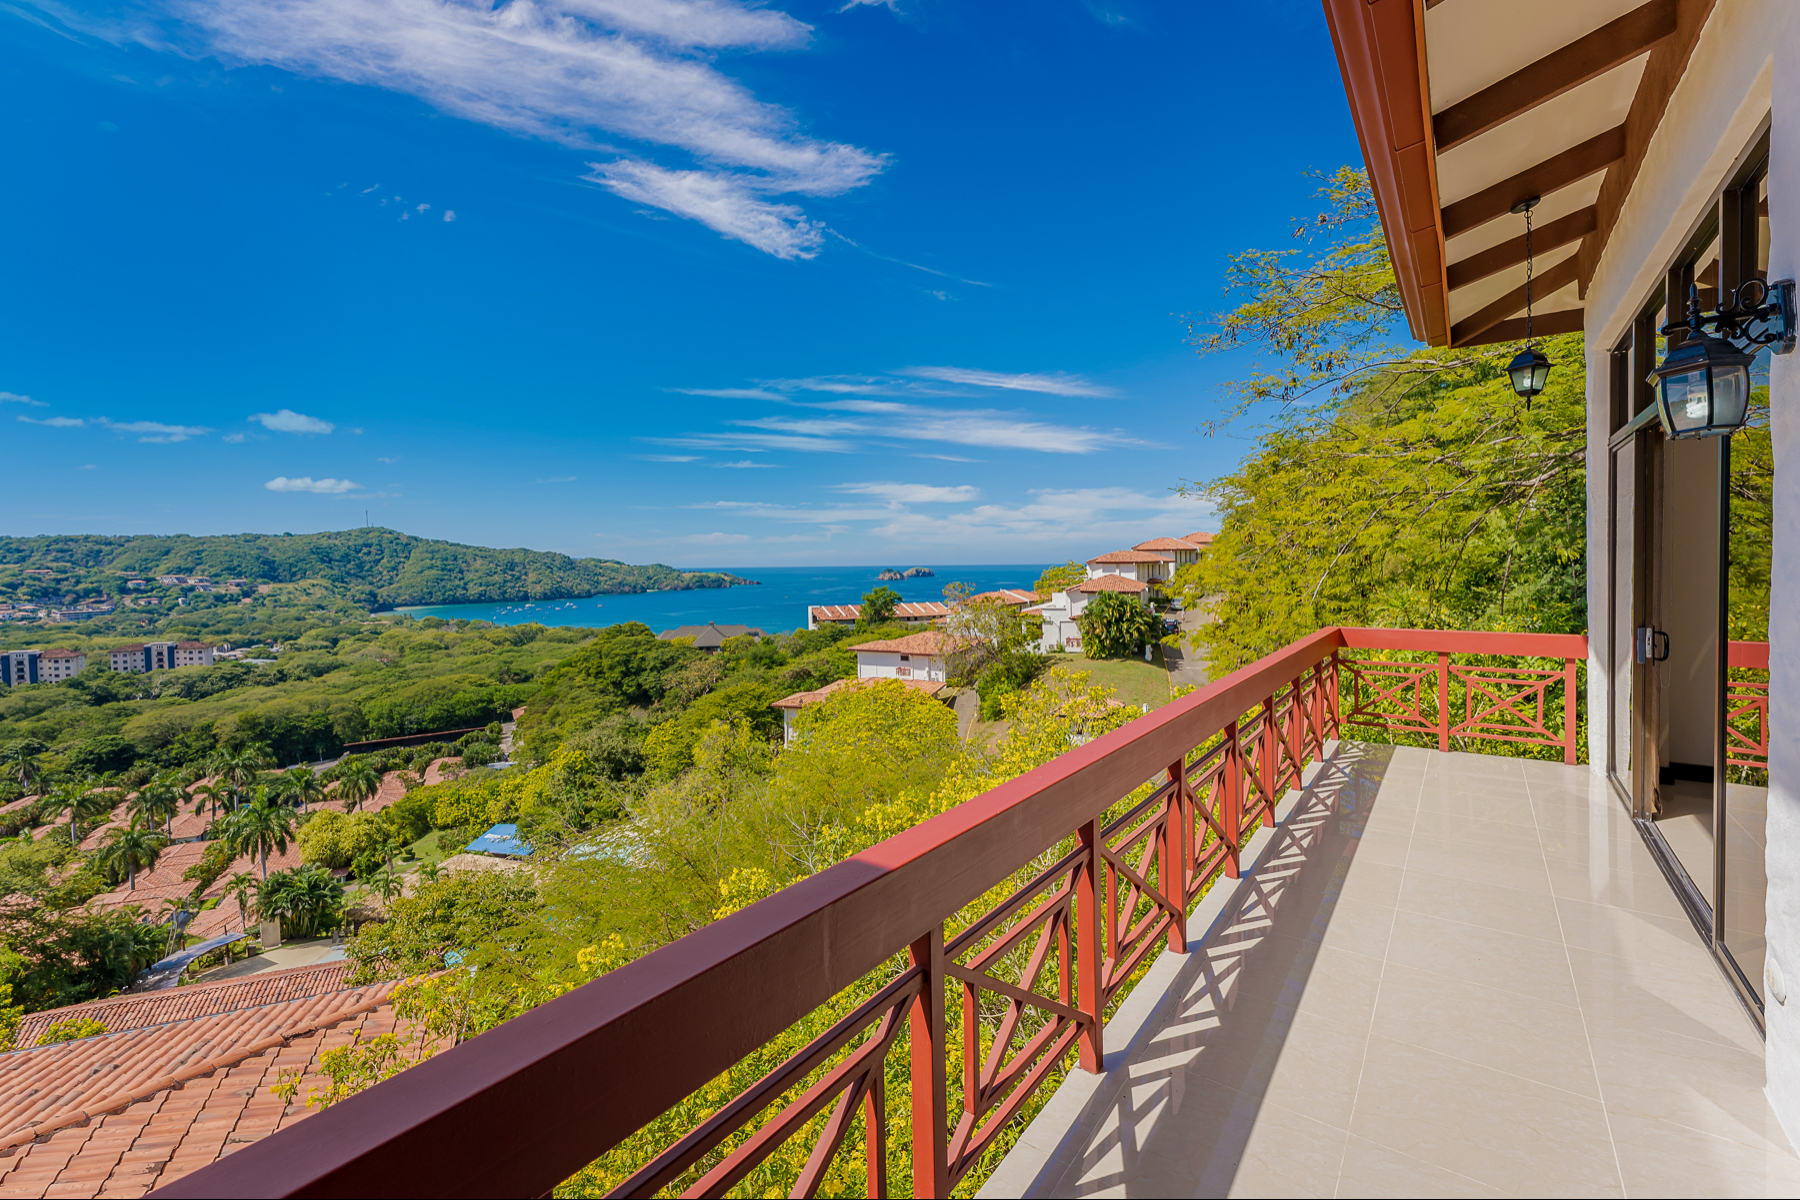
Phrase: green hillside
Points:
(376, 568)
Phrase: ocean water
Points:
(776, 603)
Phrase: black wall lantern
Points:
(1530, 370)
(1703, 384)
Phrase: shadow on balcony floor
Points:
(1446, 974)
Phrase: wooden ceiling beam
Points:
(1511, 253)
(1559, 171)
(1563, 320)
(1613, 44)
(1668, 62)
(1484, 319)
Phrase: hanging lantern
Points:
(1530, 370)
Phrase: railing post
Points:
(1297, 729)
(1174, 861)
(1090, 998)
(1231, 803)
(1268, 753)
(1570, 732)
(930, 1106)
(1443, 702)
(1337, 714)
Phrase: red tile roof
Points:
(1131, 556)
(930, 687)
(1008, 596)
(144, 1009)
(909, 611)
(126, 1112)
(931, 641)
(1166, 544)
(60, 653)
(1199, 539)
(1113, 583)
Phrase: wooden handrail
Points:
(527, 1104)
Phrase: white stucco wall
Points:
(878, 664)
(1746, 65)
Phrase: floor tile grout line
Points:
(1424, 1161)
(1586, 1035)
(1369, 1033)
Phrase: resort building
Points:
(1145, 565)
(55, 666)
(160, 656)
(908, 613)
(708, 637)
(923, 656)
(19, 667)
(1185, 551)
(1059, 613)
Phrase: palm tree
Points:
(209, 793)
(298, 785)
(22, 764)
(357, 782)
(80, 804)
(241, 885)
(240, 768)
(133, 849)
(261, 826)
(157, 803)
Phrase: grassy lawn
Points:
(1132, 680)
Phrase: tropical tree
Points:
(1060, 579)
(1114, 624)
(357, 782)
(261, 826)
(21, 759)
(305, 900)
(82, 805)
(132, 849)
(879, 605)
(299, 786)
(240, 768)
(156, 803)
(242, 885)
(209, 795)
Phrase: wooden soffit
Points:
(1464, 108)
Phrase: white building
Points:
(160, 656)
(1185, 551)
(19, 667)
(1145, 565)
(55, 666)
(1059, 613)
(922, 612)
(922, 656)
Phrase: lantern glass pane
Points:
(1540, 376)
(1685, 399)
(1731, 396)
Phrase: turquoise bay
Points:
(776, 603)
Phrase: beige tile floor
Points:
(1449, 974)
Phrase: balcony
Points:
(1227, 948)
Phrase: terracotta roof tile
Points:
(1131, 556)
(120, 1013)
(1166, 544)
(932, 641)
(1113, 583)
(1199, 539)
(98, 1117)
(908, 611)
(1008, 596)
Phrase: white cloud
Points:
(56, 422)
(668, 458)
(570, 70)
(15, 398)
(387, 460)
(756, 442)
(914, 493)
(155, 431)
(1058, 384)
(747, 465)
(716, 539)
(449, 214)
(286, 420)
(306, 483)
(967, 428)
(233, 438)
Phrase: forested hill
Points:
(374, 567)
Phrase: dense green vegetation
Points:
(1387, 487)
(360, 568)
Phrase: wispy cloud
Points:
(306, 483)
(286, 420)
(667, 458)
(747, 465)
(15, 398)
(914, 493)
(55, 422)
(757, 442)
(1058, 384)
(571, 71)
(155, 431)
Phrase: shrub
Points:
(1115, 624)
(70, 1030)
(305, 900)
(332, 839)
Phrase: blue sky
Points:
(691, 281)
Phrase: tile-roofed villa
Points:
(710, 636)
(1134, 564)
(908, 612)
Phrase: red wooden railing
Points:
(1747, 707)
(524, 1106)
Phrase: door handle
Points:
(1652, 645)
